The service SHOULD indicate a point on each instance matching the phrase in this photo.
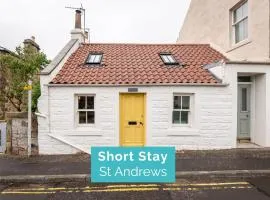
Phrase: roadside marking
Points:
(133, 185)
(209, 184)
(85, 191)
(87, 187)
(124, 190)
(207, 188)
(131, 188)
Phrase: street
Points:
(250, 189)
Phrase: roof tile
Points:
(139, 64)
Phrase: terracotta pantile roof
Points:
(139, 64)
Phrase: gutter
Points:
(249, 62)
(140, 85)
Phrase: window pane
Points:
(185, 102)
(91, 58)
(245, 9)
(176, 117)
(97, 59)
(177, 102)
(165, 58)
(244, 79)
(90, 117)
(238, 14)
(171, 59)
(82, 117)
(90, 102)
(184, 117)
(239, 31)
(245, 28)
(81, 102)
(244, 99)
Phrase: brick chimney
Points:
(78, 32)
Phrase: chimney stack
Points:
(31, 42)
(78, 19)
(78, 33)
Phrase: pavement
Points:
(215, 160)
(241, 163)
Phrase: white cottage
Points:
(184, 95)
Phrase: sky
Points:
(110, 21)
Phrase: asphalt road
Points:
(253, 189)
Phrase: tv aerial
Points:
(82, 9)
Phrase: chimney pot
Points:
(78, 23)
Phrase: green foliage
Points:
(35, 95)
(18, 69)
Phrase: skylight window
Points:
(168, 59)
(94, 58)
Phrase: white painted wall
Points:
(259, 136)
(260, 106)
(210, 21)
(211, 125)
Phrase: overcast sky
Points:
(132, 21)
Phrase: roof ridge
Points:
(150, 44)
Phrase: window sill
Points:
(239, 44)
(86, 131)
(183, 131)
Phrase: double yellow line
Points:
(130, 188)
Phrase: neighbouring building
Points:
(241, 31)
(182, 95)
(3, 84)
(238, 28)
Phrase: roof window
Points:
(168, 59)
(94, 58)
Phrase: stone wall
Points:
(17, 133)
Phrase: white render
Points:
(211, 126)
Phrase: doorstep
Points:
(245, 144)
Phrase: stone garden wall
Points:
(17, 133)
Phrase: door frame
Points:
(144, 121)
(250, 109)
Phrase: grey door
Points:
(243, 111)
(2, 137)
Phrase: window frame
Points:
(94, 54)
(77, 110)
(234, 24)
(168, 63)
(190, 110)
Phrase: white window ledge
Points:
(239, 44)
(183, 131)
(85, 131)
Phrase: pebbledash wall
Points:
(211, 128)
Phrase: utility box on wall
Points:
(3, 131)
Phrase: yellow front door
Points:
(132, 119)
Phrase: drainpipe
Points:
(29, 128)
(269, 26)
